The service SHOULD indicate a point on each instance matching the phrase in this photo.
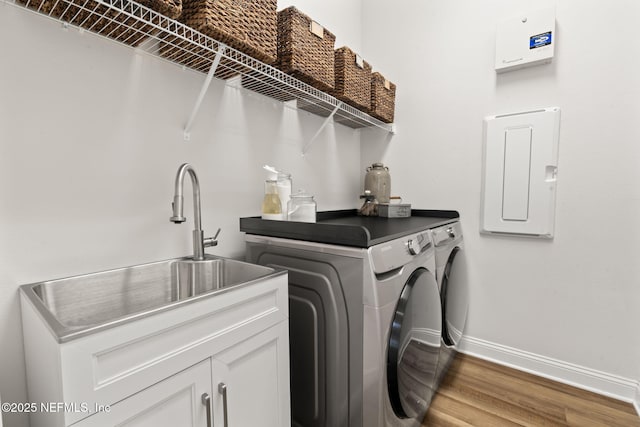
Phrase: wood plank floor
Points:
(480, 393)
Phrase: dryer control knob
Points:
(450, 232)
(413, 246)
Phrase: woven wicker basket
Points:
(44, 6)
(383, 98)
(353, 82)
(247, 25)
(98, 18)
(305, 49)
(169, 8)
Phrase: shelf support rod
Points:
(324, 124)
(203, 91)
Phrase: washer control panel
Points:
(413, 246)
(448, 234)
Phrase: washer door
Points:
(413, 348)
(455, 298)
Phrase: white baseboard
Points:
(578, 376)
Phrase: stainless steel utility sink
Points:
(80, 305)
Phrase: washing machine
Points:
(451, 274)
(365, 315)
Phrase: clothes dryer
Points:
(451, 273)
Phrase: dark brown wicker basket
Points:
(98, 18)
(302, 53)
(383, 98)
(353, 83)
(247, 25)
(169, 8)
(43, 6)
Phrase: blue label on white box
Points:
(540, 40)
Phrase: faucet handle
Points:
(211, 241)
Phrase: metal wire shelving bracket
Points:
(203, 91)
(132, 24)
(324, 124)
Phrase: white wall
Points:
(91, 136)
(575, 299)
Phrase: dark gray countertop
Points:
(346, 228)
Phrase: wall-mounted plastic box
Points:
(519, 175)
(526, 40)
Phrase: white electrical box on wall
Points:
(519, 173)
(526, 40)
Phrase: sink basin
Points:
(80, 305)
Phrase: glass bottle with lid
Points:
(301, 207)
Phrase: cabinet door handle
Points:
(206, 401)
(222, 389)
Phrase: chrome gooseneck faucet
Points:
(199, 241)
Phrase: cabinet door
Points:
(254, 374)
(176, 401)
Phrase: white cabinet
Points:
(256, 380)
(176, 401)
(250, 388)
(153, 371)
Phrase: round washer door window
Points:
(414, 346)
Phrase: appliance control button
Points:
(413, 246)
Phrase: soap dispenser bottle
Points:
(283, 187)
(271, 205)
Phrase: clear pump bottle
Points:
(271, 204)
(283, 186)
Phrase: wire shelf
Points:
(136, 25)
